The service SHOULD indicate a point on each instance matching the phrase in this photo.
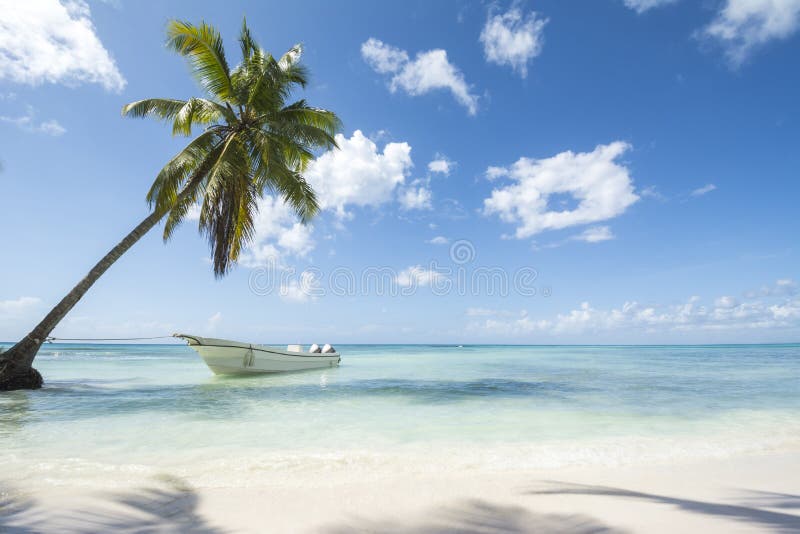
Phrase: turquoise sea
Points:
(115, 414)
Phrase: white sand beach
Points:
(745, 494)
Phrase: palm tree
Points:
(254, 141)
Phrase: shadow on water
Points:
(445, 391)
(479, 517)
(227, 397)
(747, 513)
(168, 507)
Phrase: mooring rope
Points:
(51, 339)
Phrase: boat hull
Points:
(226, 357)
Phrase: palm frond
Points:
(265, 87)
(191, 190)
(252, 143)
(173, 176)
(292, 188)
(246, 41)
(273, 173)
(161, 108)
(291, 57)
(307, 127)
(300, 113)
(228, 210)
(297, 192)
(202, 46)
(198, 111)
(296, 74)
(178, 213)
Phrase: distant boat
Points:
(224, 356)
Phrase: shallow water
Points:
(116, 414)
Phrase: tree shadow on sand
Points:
(171, 507)
(749, 513)
(770, 499)
(479, 517)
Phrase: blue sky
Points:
(639, 156)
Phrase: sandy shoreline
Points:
(744, 494)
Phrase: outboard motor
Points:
(327, 349)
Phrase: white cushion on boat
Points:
(327, 349)
(314, 349)
(294, 348)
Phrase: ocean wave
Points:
(252, 467)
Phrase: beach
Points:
(409, 439)
(399, 267)
(746, 494)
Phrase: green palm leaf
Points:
(246, 41)
(170, 181)
(202, 45)
(198, 111)
(160, 108)
(254, 142)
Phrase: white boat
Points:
(224, 356)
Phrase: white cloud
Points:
(726, 302)
(438, 240)
(52, 127)
(54, 42)
(522, 325)
(29, 123)
(513, 39)
(785, 287)
(302, 290)
(297, 239)
(786, 311)
(652, 191)
(480, 312)
(488, 312)
(358, 174)
(640, 6)
(602, 187)
(415, 198)
(430, 70)
(194, 213)
(493, 173)
(277, 234)
(441, 165)
(700, 191)
(726, 314)
(383, 58)
(11, 309)
(595, 234)
(742, 26)
(417, 276)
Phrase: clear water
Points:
(116, 414)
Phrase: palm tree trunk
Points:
(16, 371)
(16, 364)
